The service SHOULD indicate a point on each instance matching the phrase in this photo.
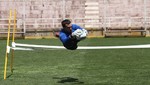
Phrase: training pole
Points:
(7, 48)
(13, 40)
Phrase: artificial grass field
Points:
(79, 67)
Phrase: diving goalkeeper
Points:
(71, 34)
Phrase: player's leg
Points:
(71, 45)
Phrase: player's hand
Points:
(77, 33)
(56, 34)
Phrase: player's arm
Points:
(77, 26)
(64, 38)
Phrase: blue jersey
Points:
(64, 36)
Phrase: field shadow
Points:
(10, 74)
(68, 80)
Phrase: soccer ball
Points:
(80, 34)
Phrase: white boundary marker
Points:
(18, 48)
(18, 45)
(115, 47)
(36, 46)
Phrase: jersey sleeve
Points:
(63, 37)
(77, 26)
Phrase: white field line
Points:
(83, 47)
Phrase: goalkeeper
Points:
(71, 34)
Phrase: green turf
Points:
(79, 67)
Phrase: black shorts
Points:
(71, 44)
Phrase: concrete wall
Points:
(93, 14)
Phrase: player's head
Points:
(66, 24)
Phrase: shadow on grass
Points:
(10, 74)
(68, 80)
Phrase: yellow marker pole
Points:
(13, 40)
(6, 55)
